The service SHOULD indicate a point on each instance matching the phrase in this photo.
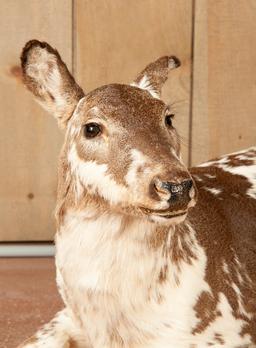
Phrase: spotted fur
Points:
(138, 267)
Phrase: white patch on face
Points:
(134, 182)
(96, 179)
(138, 160)
(145, 84)
(214, 191)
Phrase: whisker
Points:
(171, 104)
(183, 140)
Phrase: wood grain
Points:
(199, 104)
(115, 40)
(224, 112)
(30, 140)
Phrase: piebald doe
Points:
(149, 254)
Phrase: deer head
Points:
(121, 151)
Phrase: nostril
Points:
(176, 188)
(187, 184)
(161, 187)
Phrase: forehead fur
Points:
(116, 100)
(130, 115)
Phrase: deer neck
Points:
(110, 249)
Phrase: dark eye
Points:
(168, 120)
(92, 129)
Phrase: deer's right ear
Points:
(155, 74)
(48, 78)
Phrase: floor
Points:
(28, 297)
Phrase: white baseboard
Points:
(26, 250)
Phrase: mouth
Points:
(170, 216)
(167, 214)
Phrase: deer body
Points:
(139, 264)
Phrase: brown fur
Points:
(233, 237)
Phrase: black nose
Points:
(175, 191)
(178, 189)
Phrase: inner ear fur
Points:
(48, 78)
(153, 77)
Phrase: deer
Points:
(149, 253)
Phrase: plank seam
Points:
(191, 85)
(73, 39)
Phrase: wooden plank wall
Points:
(224, 78)
(29, 140)
(111, 41)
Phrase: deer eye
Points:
(168, 120)
(92, 129)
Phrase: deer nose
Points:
(174, 192)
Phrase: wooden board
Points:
(224, 94)
(116, 39)
(30, 140)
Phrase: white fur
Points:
(172, 63)
(167, 221)
(50, 80)
(197, 178)
(228, 326)
(215, 191)
(96, 261)
(139, 159)
(57, 332)
(210, 176)
(71, 129)
(95, 178)
(248, 171)
(145, 84)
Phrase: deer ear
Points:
(155, 74)
(48, 78)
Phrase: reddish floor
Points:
(28, 297)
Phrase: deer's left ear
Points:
(155, 74)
